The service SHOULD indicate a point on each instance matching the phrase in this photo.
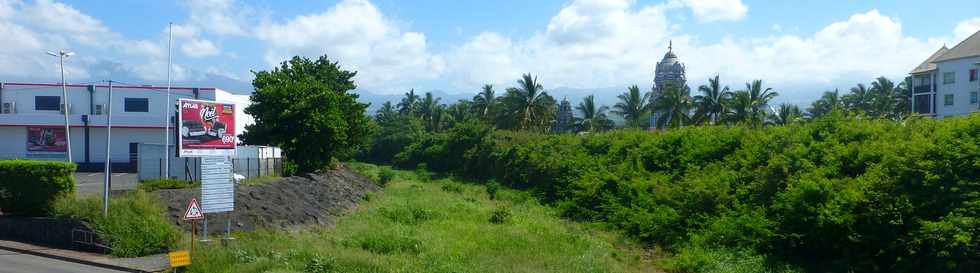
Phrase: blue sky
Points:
(799, 48)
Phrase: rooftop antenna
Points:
(670, 45)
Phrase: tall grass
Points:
(416, 226)
(136, 225)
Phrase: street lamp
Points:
(64, 96)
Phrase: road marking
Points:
(93, 174)
(118, 175)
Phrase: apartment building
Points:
(947, 84)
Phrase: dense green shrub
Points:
(500, 215)
(136, 226)
(29, 187)
(385, 175)
(831, 195)
(165, 184)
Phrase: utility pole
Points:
(108, 156)
(166, 105)
(64, 98)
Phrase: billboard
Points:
(46, 141)
(206, 128)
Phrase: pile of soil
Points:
(316, 198)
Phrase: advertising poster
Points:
(206, 128)
(46, 141)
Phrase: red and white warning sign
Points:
(193, 211)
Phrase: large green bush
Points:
(29, 187)
(835, 194)
(137, 224)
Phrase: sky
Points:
(799, 48)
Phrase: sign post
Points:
(207, 131)
(193, 213)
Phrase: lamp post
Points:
(64, 96)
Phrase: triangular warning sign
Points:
(193, 211)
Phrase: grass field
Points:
(420, 224)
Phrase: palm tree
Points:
(632, 106)
(888, 100)
(428, 108)
(674, 107)
(787, 114)
(859, 100)
(759, 100)
(460, 111)
(710, 104)
(593, 118)
(528, 105)
(386, 112)
(485, 102)
(738, 108)
(828, 102)
(409, 104)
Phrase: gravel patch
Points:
(312, 199)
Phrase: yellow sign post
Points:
(179, 258)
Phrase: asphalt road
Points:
(13, 262)
(92, 183)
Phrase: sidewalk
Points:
(154, 263)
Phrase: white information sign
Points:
(217, 186)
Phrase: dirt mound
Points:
(317, 198)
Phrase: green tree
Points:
(528, 106)
(485, 102)
(828, 102)
(430, 111)
(888, 100)
(759, 98)
(306, 108)
(632, 106)
(787, 114)
(409, 104)
(594, 119)
(859, 100)
(709, 104)
(386, 112)
(674, 107)
(738, 108)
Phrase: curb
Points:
(72, 260)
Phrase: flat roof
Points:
(180, 88)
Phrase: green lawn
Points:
(439, 225)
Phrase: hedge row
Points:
(29, 187)
(833, 195)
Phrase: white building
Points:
(31, 119)
(947, 83)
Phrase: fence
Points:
(190, 168)
(249, 161)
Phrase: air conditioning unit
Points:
(8, 108)
(100, 109)
(63, 107)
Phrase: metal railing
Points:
(247, 167)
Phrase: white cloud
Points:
(221, 17)
(587, 44)
(361, 38)
(606, 44)
(966, 28)
(717, 10)
(199, 48)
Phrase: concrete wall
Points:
(961, 89)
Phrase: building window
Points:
(47, 103)
(923, 103)
(973, 97)
(137, 105)
(949, 77)
(973, 75)
(948, 99)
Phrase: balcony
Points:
(922, 89)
